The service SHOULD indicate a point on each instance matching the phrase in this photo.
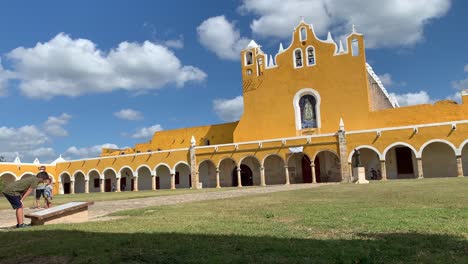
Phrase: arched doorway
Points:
(163, 177)
(183, 179)
(94, 181)
(207, 174)
(79, 182)
(144, 178)
(400, 162)
(299, 168)
(65, 184)
(274, 170)
(110, 179)
(370, 160)
(439, 160)
(246, 176)
(327, 167)
(126, 179)
(254, 164)
(226, 166)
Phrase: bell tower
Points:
(253, 66)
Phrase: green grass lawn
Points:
(66, 198)
(406, 221)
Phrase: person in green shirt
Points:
(17, 191)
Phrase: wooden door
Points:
(306, 170)
(123, 184)
(107, 185)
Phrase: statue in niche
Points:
(308, 114)
(308, 110)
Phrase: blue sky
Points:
(78, 75)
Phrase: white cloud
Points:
(175, 43)
(26, 142)
(466, 68)
(386, 79)
(74, 152)
(455, 97)
(385, 23)
(221, 37)
(71, 67)
(460, 85)
(146, 132)
(5, 75)
(421, 97)
(129, 114)
(54, 125)
(229, 109)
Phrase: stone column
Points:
(72, 187)
(218, 185)
(60, 187)
(312, 168)
(286, 172)
(172, 181)
(101, 185)
(346, 176)
(262, 176)
(383, 170)
(239, 178)
(135, 184)
(193, 168)
(420, 168)
(117, 184)
(86, 187)
(350, 166)
(460, 166)
(153, 182)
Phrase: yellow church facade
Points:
(310, 112)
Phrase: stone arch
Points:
(145, 178)
(126, 178)
(182, 174)
(7, 177)
(297, 109)
(450, 144)
(273, 168)
(401, 161)
(226, 165)
(65, 179)
(207, 173)
(254, 164)
(327, 166)
(163, 176)
(80, 181)
(370, 160)
(464, 156)
(299, 168)
(439, 159)
(110, 179)
(123, 168)
(94, 180)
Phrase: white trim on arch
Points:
(455, 150)
(297, 109)
(350, 158)
(226, 158)
(269, 155)
(63, 173)
(89, 173)
(416, 153)
(180, 162)
(462, 145)
(125, 167)
(103, 175)
(324, 150)
(162, 164)
(144, 166)
(206, 160)
(78, 171)
(307, 56)
(250, 156)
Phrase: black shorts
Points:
(39, 193)
(15, 201)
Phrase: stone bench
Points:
(74, 212)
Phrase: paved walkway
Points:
(102, 208)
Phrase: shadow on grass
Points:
(63, 246)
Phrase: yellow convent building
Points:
(307, 111)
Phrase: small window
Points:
(96, 183)
(138, 151)
(248, 58)
(298, 58)
(177, 178)
(310, 56)
(259, 66)
(207, 142)
(249, 72)
(355, 47)
(149, 150)
(303, 34)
